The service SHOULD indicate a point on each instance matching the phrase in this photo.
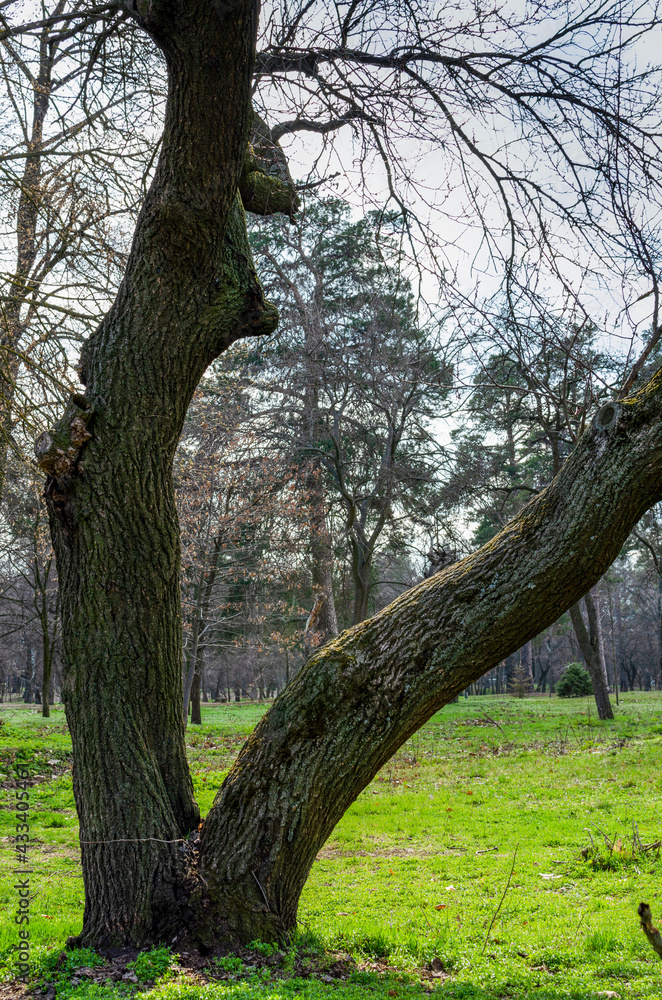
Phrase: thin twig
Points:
(496, 912)
(264, 895)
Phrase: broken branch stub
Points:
(652, 933)
(266, 185)
(57, 450)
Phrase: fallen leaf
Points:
(440, 906)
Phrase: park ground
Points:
(501, 853)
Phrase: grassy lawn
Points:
(402, 897)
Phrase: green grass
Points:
(418, 866)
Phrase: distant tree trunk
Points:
(46, 698)
(526, 664)
(205, 590)
(196, 713)
(542, 683)
(191, 665)
(326, 622)
(41, 577)
(590, 645)
(28, 691)
(511, 664)
(321, 552)
(630, 671)
(361, 564)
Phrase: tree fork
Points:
(362, 695)
(190, 289)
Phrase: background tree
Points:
(29, 599)
(350, 384)
(238, 504)
(535, 389)
(62, 248)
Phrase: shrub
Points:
(574, 682)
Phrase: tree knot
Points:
(607, 416)
(57, 450)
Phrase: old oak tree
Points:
(190, 290)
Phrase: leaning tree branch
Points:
(362, 695)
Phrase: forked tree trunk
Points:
(188, 292)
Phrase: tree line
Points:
(326, 469)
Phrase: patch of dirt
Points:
(14, 991)
(192, 967)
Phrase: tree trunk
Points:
(526, 661)
(196, 709)
(325, 625)
(196, 668)
(46, 677)
(29, 674)
(326, 621)
(188, 292)
(361, 563)
(511, 663)
(591, 647)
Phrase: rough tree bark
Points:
(189, 291)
